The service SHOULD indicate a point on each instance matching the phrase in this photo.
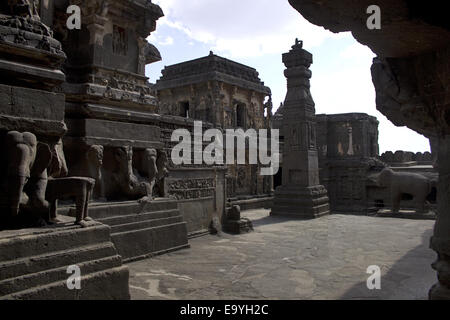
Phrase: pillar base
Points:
(301, 202)
(441, 290)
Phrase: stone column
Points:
(301, 194)
(440, 242)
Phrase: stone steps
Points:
(143, 243)
(38, 279)
(102, 285)
(34, 262)
(100, 211)
(121, 220)
(140, 230)
(50, 240)
(146, 224)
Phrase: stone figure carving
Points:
(91, 167)
(58, 167)
(78, 188)
(38, 182)
(234, 223)
(24, 8)
(125, 177)
(26, 177)
(24, 14)
(400, 183)
(150, 156)
(269, 106)
(233, 213)
(94, 167)
(22, 149)
(151, 167)
(161, 165)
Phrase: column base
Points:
(441, 290)
(301, 202)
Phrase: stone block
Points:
(31, 103)
(34, 263)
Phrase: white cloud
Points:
(241, 28)
(246, 29)
(167, 42)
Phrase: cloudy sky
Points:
(256, 33)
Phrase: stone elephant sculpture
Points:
(400, 183)
(29, 164)
(21, 151)
(130, 185)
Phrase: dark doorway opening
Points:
(184, 106)
(278, 178)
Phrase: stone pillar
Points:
(440, 242)
(301, 194)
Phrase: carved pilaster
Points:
(440, 242)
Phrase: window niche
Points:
(120, 41)
(184, 109)
(241, 115)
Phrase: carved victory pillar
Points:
(301, 194)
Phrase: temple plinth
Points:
(300, 194)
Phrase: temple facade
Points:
(229, 95)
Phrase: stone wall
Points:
(227, 95)
(398, 158)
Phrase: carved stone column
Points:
(440, 242)
(301, 194)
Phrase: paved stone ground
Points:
(326, 258)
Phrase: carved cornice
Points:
(211, 68)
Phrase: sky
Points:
(257, 33)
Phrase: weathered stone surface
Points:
(142, 229)
(31, 114)
(405, 158)
(301, 194)
(414, 184)
(34, 263)
(411, 78)
(226, 94)
(348, 147)
(31, 103)
(93, 128)
(324, 258)
(211, 68)
(234, 223)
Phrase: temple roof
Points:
(211, 68)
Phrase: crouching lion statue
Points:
(400, 183)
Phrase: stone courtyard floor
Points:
(326, 258)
